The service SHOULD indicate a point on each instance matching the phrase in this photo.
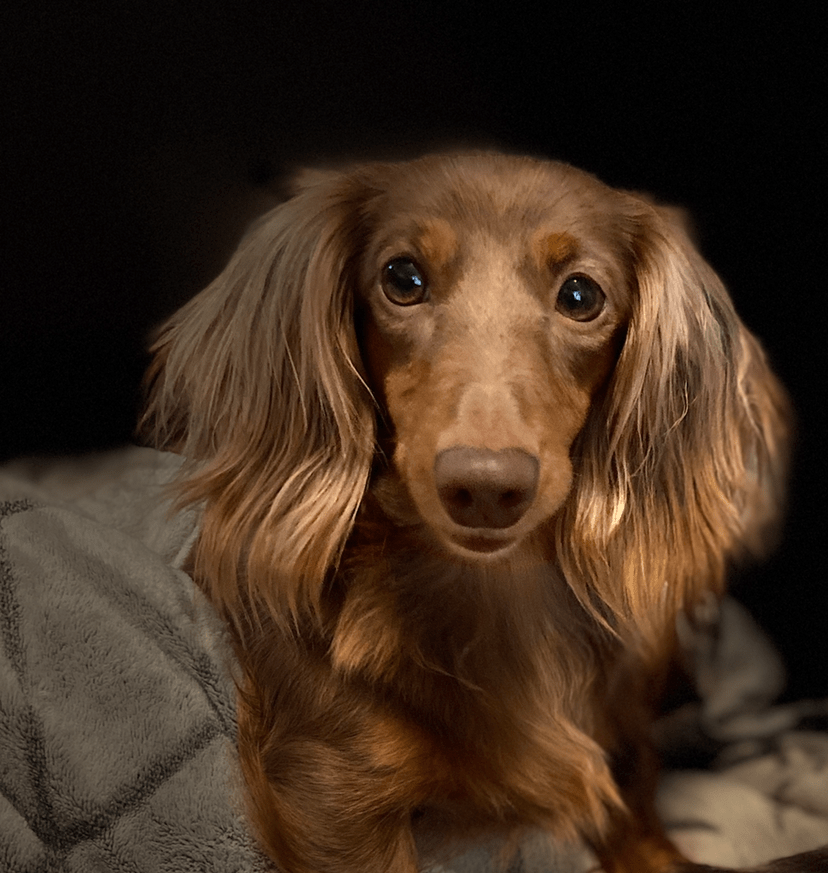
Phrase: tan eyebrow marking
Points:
(438, 242)
(553, 248)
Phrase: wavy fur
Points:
(399, 664)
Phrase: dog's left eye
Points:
(403, 282)
(580, 299)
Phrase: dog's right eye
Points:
(403, 282)
(580, 298)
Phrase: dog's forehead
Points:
(497, 195)
(489, 206)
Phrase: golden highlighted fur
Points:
(469, 432)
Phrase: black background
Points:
(139, 139)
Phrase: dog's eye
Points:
(403, 282)
(580, 299)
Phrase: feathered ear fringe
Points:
(257, 381)
(683, 466)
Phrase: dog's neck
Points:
(426, 626)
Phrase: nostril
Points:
(462, 497)
(483, 488)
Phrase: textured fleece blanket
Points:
(117, 705)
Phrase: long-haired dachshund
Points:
(469, 433)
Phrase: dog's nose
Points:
(482, 488)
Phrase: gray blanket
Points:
(117, 704)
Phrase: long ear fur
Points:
(683, 466)
(257, 379)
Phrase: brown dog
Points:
(470, 432)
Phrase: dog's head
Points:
(493, 300)
(540, 359)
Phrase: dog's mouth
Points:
(482, 543)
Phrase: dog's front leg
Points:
(330, 790)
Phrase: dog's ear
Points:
(257, 381)
(682, 466)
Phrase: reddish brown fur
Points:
(393, 660)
